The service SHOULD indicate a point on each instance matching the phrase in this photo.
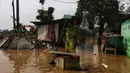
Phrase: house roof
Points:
(47, 22)
(57, 21)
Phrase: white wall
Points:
(43, 31)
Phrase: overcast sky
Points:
(28, 11)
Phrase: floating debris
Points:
(104, 65)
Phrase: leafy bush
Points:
(74, 35)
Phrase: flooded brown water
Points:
(37, 61)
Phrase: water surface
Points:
(37, 61)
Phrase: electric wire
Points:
(65, 2)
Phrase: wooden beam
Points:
(64, 53)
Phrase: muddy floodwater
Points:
(37, 61)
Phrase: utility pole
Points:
(14, 26)
(17, 12)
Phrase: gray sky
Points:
(28, 11)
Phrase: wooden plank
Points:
(110, 48)
(3, 41)
(64, 53)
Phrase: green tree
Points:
(45, 15)
(105, 9)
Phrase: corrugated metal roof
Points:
(56, 21)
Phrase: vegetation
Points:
(106, 10)
(74, 35)
(45, 15)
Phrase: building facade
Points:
(125, 32)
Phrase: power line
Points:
(66, 2)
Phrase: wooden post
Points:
(17, 17)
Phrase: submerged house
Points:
(125, 32)
(54, 31)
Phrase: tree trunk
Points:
(100, 34)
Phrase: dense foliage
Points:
(45, 15)
(106, 10)
(74, 35)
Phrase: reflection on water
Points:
(37, 61)
(25, 61)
